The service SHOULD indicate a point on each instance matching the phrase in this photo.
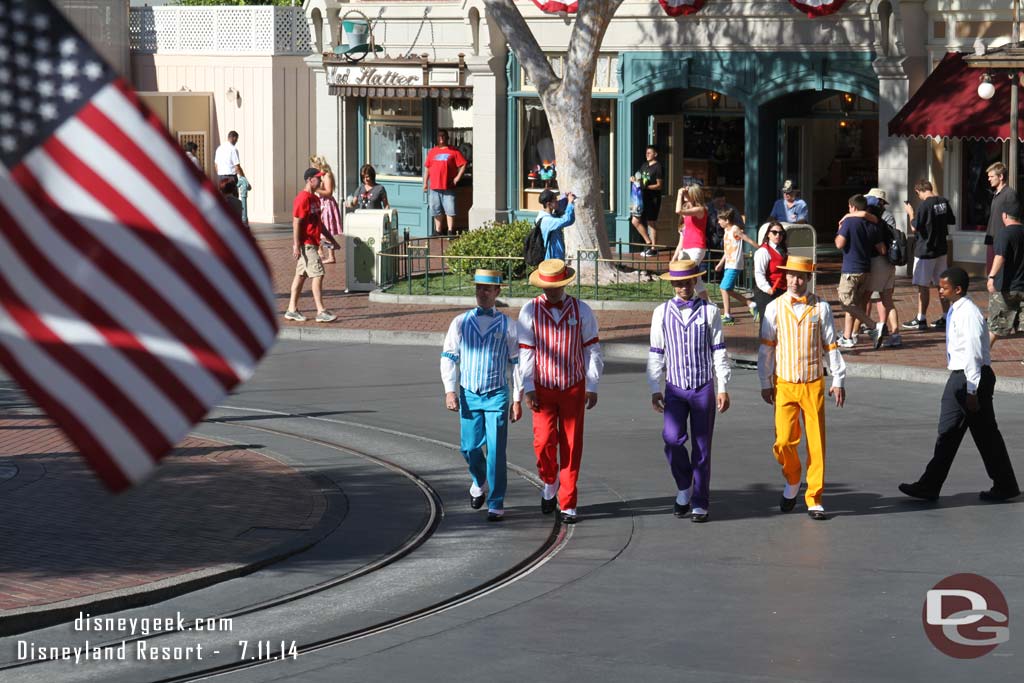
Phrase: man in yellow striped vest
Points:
(797, 334)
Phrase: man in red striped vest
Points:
(561, 364)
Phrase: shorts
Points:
(928, 270)
(883, 275)
(1004, 309)
(729, 279)
(441, 202)
(309, 263)
(853, 289)
(696, 255)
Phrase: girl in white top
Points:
(732, 262)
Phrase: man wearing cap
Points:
(306, 231)
(688, 349)
(553, 226)
(561, 364)
(797, 336)
(789, 209)
(882, 278)
(479, 349)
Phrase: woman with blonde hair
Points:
(693, 235)
(330, 216)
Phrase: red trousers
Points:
(558, 439)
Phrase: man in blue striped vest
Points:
(479, 350)
(688, 349)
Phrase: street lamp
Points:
(985, 89)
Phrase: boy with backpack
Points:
(548, 230)
(882, 278)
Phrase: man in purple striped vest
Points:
(688, 350)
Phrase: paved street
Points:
(631, 591)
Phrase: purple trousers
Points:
(698, 406)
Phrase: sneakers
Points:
(728, 320)
(939, 324)
(892, 341)
(325, 317)
(880, 334)
(294, 315)
(847, 343)
(650, 252)
(915, 324)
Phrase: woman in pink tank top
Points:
(693, 235)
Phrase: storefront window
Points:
(538, 165)
(977, 156)
(395, 136)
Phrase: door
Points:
(667, 133)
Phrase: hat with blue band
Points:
(487, 277)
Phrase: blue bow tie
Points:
(483, 311)
(685, 303)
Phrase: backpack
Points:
(896, 246)
(534, 249)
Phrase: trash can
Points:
(367, 233)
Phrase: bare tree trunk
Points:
(567, 103)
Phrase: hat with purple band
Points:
(681, 270)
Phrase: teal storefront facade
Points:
(770, 86)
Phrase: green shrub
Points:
(491, 239)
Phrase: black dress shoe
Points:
(787, 504)
(699, 517)
(818, 515)
(915, 490)
(494, 517)
(567, 518)
(477, 502)
(680, 510)
(994, 495)
(547, 506)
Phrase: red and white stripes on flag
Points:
(131, 301)
(553, 7)
(678, 8)
(817, 8)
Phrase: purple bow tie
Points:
(685, 303)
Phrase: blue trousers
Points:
(696, 406)
(484, 420)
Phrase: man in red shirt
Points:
(443, 171)
(306, 231)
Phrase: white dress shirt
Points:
(593, 361)
(226, 158)
(656, 361)
(450, 374)
(967, 341)
(766, 354)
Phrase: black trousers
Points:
(761, 300)
(954, 421)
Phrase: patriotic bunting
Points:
(678, 8)
(131, 299)
(553, 7)
(817, 8)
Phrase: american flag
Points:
(131, 299)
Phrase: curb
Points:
(626, 352)
(26, 619)
(377, 296)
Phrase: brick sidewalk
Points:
(209, 507)
(356, 311)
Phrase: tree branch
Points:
(522, 41)
(588, 31)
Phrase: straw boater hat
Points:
(487, 277)
(681, 270)
(798, 264)
(552, 274)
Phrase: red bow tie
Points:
(554, 304)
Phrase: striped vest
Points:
(483, 356)
(798, 353)
(559, 345)
(687, 346)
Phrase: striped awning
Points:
(421, 92)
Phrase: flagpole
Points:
(1014, 87)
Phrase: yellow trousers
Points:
(790, 401)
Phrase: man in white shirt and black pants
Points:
(227, 160)
(967, 399)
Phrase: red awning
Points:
(947, 106)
